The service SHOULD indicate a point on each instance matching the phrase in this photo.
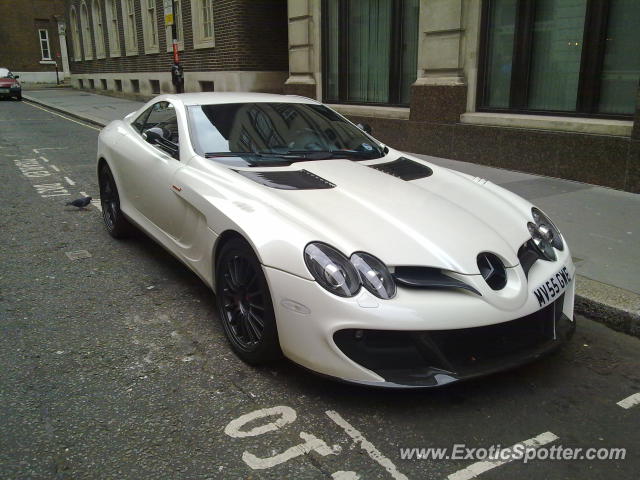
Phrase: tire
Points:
(19, 97)
(114, 220)
(244, 304)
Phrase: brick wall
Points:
(249, 35)
(20, 21)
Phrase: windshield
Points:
(276, 133)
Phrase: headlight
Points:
(331, 269)
(545, 234)
(374, 275)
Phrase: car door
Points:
(149, 183)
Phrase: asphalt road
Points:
(115, 365)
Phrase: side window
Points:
(138, 123)
(159, 127)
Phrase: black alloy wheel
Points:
(244, 304)
(114, 220)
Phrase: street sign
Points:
(168, 12)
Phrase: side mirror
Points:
(365, 127)
(16, 76)
(152, 135)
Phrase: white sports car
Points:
(352, 259)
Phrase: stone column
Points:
(447, 58)
(62, 35)
(304, 48)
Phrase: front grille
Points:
(429, 278)
(528, 254)
(405, 355)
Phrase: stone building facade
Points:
(224, 45)
(548, 86)
(32, 36)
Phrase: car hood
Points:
(7, 82)
(443, 220)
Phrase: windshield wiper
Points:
(325, 154)
(251, 154)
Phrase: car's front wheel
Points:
(244, 304)
(114, 220)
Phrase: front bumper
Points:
(10, 91)
(421, 338)
(439, 357)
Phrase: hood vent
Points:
(288, 180)
(404, 169)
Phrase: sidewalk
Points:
(601, 225)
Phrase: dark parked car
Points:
(9, 84)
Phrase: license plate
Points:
(4, 90)
(553, 288)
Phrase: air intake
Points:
(288, 180)
(404, 168)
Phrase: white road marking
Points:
(366, 445)
(54, 167)
(77, 254)
(62, 116)
(286, 415)
(69, 181)
(311, 444)
(37, 150)
(342, 475)
(51, 190)
(30, 167)
(95, 202)
(477, 468)
(44, 159)
(630, 401)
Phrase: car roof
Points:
(4, 71)
(208, 98)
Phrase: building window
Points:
(150, 26)
(371, 50)
(567, 57)
(86, 32)
(202, 23)
(177, 19)
(98, 30)
(129, 24)
(45, 50)
(112, 28)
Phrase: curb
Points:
(614, 307)
(84, 117)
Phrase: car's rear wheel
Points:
(244, 304)
(114, 220)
